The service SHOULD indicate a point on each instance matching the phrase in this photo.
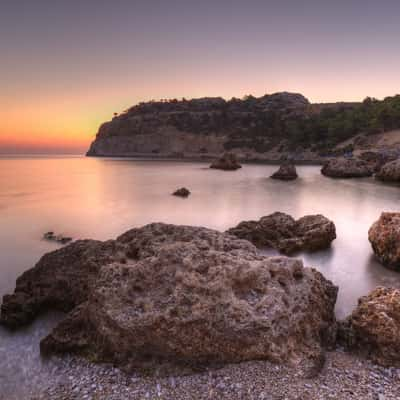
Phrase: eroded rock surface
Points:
(373, 328)
(286, 172)
(389, 172)
(346, 168)
(60, 280)
(282, 232)
(227, 162)
(179, 293)
(384, 236)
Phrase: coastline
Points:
(343, 376)
(208, 159)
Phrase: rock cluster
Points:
(286, 172)
(346, 168)
(282, 232)
(179, 294)
(227, 162)
(375, 159)
(182, 192)
(57, 238)
(373, 328)
(389, 172)
(384, 236)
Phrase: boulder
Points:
(373, 329)
(178, 294)
(227, 162)
(384, 236)
(389, 172)
(375, 159)
(283, 233)
(60, 280)
(346, 168)
(286, 172)
(182, 192)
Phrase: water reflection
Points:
(101, 198)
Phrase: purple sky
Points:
(66, 66)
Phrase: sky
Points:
(67, 66)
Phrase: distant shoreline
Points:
(206, 159)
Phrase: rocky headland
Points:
(268, 128)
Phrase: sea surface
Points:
(101, 198)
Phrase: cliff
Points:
(264, 128)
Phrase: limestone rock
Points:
(227, 162)
(384, 236)
(60, 280)
(286, 172)
(182, 294)
(346, 168)
(373, 329)
(389, 172)
(282, 232)
(375, 159)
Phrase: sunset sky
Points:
(66, 66)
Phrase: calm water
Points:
(101, 198)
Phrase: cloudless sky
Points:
(66, 66)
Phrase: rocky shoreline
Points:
(343, 377)
(167, 303)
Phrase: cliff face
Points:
(253, 128)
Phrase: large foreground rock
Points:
(227, 162)
(282, 232)
(177, 293)
(346, 168)
(373, 328)
(390, 172)
(384, 236)
(286, 172)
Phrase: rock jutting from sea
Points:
(389, 172)
(384, 236)
(181, 192)
(227, 162)
(286, 172)
(373, 328)
(177, 294)
(346, 168)
(283, 233)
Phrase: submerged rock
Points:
(282, 232)
(373, 329)
(182, 192)
(179, 294)
(384, 236)
(227, 162)
(390, 172)
(346, 168)
(286, 172)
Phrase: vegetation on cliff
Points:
(284, 121)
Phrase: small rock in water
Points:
(182, 192)
(57, 238)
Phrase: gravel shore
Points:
(343, 376)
